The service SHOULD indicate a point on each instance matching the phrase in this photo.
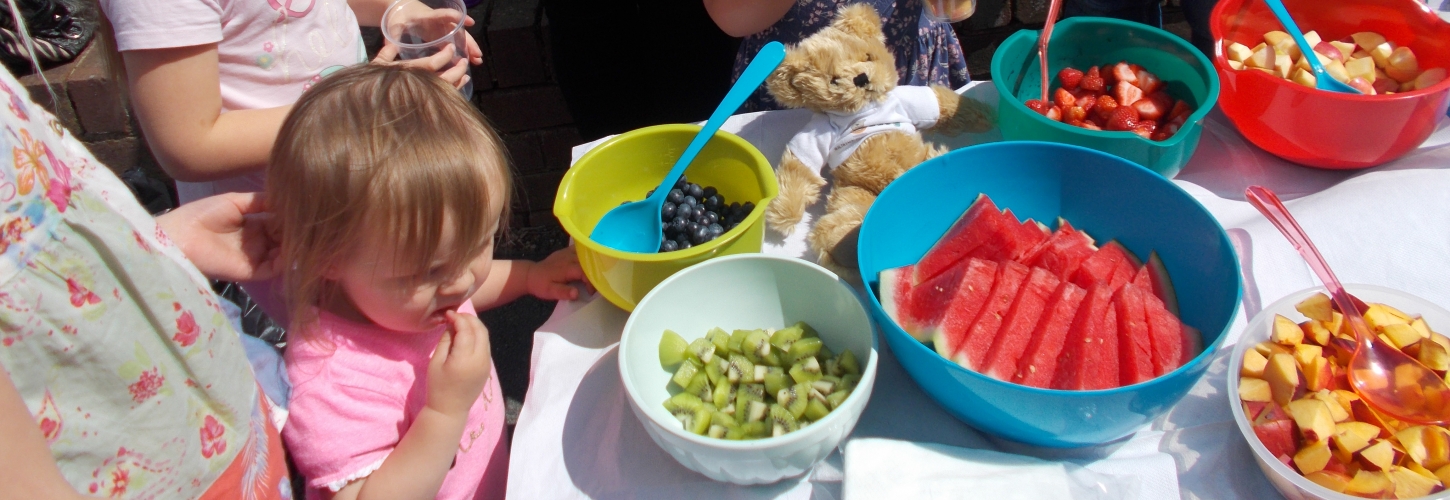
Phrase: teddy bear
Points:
(864, 133)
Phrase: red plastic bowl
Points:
(1327, 129)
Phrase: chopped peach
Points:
(1334, 481)
(1370, 483)
(1254, 389)
(1401, 335)
(1283, 378)
(1317, 307)
(1286, 331)
(1254, 363)
(1312, 457)
(1410, 484)
(1313, 418)
(1378, 456)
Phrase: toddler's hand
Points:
(460, 366)
(549, 279)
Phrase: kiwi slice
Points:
(836, 398)
(736, 433)
(755, 345)
(831, 368)
(849, 381)
(760, 371)
(702, 350)
(684, 401)
(720, 339)
(701, 422)
(739, 369)
(806, 371)
(716, 431)
(782, 421)
(783, 338)
(748, 430)
(825, 353)
(723, 394)
(805, 347)
(793, 398)
(700, 386)
(756, 411)
(825, 385)
(716, 369)
(736, 338)
(722, 418)
(776, 379)
(816, 410)
(684, 374)
(744, 395)
(848, 362)
(806, 330)
(672, 349)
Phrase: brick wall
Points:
(89, 102)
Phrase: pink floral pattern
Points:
(80, 296)
(186, 330)
(212, 441)
(147, 385)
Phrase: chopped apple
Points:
(1283, 64)
(1352, 436)
(1328, 50)
(1346, 50)
(1367, 40)
(1370, 483)
(1429, 78)
(1410, 484)
(1254, 389)
(1317, 307)
(1312, 38)
(1286, 331)
(1254, 364)
(1401, 335)
(1283, 378)
(1386, 85)
(1362, 68)
(1334, 481)
(1312, 457)
(1336, 70)
(1235, 65)
(1360, 84)
(1378, 456)
(1303, 77)
(1402, 65)
(1282, 43)
(1313, 418)
(1381, 55)
(1339, 413)
(1314, 331)
(1237, 51)
(1303, 62)
(1262, 58)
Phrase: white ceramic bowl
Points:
(1284, 478)
(745, 292)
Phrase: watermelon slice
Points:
(1030, 234)
(1081, 341)
(1171, 347)
(1038, 364)
(1063, 252)
(980, 223)
(973, 349)
(1162, 286)
(971, 294)
(1100, 364)
(1135, 350)
(1109, 264)
(1019, 324)
(918, 309)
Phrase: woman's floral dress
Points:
(927, 50)
(115, 342)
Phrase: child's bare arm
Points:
(740, 18)
(177, 96)
(547, 279)
(456, 376)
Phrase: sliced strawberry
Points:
(1093, 80)
(1147, 81)
(1087, 102)
(1146, 128)
(1063, 98)
(1070, 78)
(1180, 108)
(1166, 131)
(1074, 115)
(1177, 121)
(1054, 113)
(1148, 109)
(1124, 118)
(1090, 125)
(1127, 93)
(1124, 73)
(1105, 106)
(1037, 105)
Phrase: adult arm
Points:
(27, 468)
(176, 93)
(740, 18)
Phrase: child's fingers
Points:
(465, 338)
(439, 60)
(440, 353)
(457, 75)
(387, 54)
(560, 291)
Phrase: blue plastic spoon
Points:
(636, 226)
(1322, 80)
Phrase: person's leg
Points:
(1197, 12)
(1148, 12)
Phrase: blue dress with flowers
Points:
(927, 51)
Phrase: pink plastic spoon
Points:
(1388, 380)
(1042, 40)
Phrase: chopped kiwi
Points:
(684, 374)
(848, 362)
(672, 349)
(702, 350)
(816, 410)
(753, 384)
(721, 340)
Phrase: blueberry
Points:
(690, 228)
(685, 244)
(669, 246)
(710, 191)
(685, 211)
(684, 181)
(713, 202)
(696, 191)
(700, 235)
(676, 196)
(747, 208)
(678, 224)
(668, 212)
(716, 230)
(711, 217)
(691, 200)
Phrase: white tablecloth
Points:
(1389, 225)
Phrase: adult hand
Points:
(460, 366)
(549, 279)
(227, 236)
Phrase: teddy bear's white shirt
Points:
(829, 138)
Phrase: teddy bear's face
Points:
(840, 68)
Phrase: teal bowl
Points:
(1082, 42)
(1044, 181)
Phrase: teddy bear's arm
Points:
(962, 114)
(800, 187)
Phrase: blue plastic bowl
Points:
(1106, 196)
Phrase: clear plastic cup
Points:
(950, 10)
(422, 28)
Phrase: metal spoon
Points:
(1391, 381)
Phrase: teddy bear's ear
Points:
(860, 20)
(780, 83)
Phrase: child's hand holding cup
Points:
(431, 34)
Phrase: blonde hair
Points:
(381, 148)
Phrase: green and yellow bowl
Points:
(628, 166)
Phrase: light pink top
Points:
(355, 392)
(269, 51)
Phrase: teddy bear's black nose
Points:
(861, 80)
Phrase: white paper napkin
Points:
(888, 468)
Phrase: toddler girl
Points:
(389, 189)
